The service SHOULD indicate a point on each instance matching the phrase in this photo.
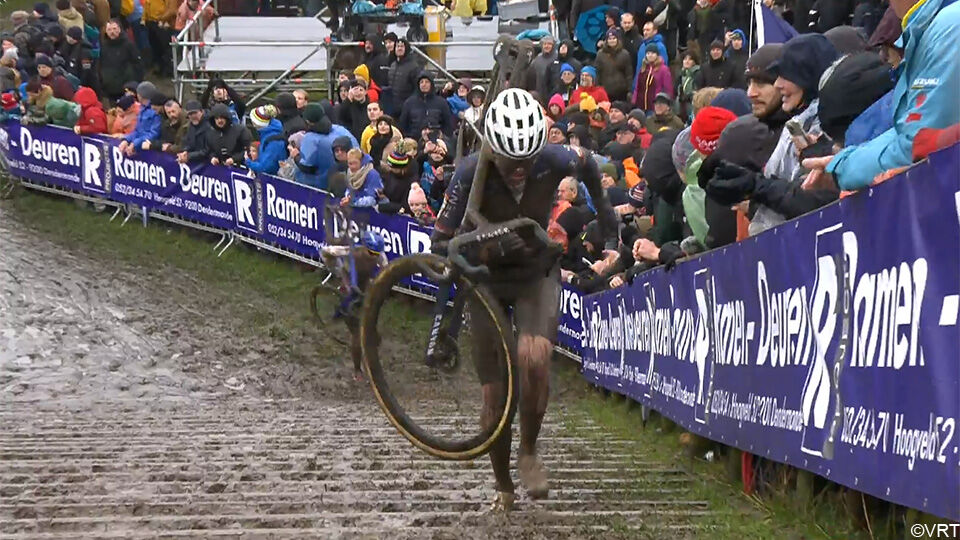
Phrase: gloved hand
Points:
(731, 184)
(670, 253)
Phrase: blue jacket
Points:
(457, 105)
(368, 194)
(147, 129)
(925, 95)
(273, 149)
(316, 155)
(642, 49)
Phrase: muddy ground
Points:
(142, 401)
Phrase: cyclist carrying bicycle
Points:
(355, 271)
(521, 183)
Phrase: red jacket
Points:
(598, 93)
(92, 118)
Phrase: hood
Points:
(658, 170)
(428, 76)
(378, 46)
(557, 99)
(71, 15)
(803, 60)
(286, 105)
(86, 98)
(746, 142)
(570, 49)
(856, 83)
(221, 111)
(407, 55)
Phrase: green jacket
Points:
(62, 113)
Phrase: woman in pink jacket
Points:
(653, 77)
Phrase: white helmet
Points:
(515, 125)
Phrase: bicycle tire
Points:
(377, 293)
(324, 322)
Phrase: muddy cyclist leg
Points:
(535, 315)
(487, 357)
(355, 349)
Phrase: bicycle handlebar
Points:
(482, 271)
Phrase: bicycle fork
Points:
(442, 350)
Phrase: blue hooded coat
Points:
(273, 149)
(925, 95)
(147, 128)
(316, 154)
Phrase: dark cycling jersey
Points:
(554, 163)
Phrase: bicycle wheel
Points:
(323, 299)
(438, 409)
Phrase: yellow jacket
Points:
(368, 133)
(160, 11)
(467, 8)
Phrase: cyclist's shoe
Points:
(503, 502)
(533, 476)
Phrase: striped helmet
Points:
(515, 125)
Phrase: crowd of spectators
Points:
(696, 151)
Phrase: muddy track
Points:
(127, 414)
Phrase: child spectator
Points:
(9, 108)
(122, 119)
(420, 207)
(687, 84)
(92, 118)
(148, 122)
(556, 107)
(272, 148)
(363, 182)
(44, 108)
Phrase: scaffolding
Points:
(258, 55)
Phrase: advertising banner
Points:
(829, 343)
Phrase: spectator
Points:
(173, 128)
(186, 12)
(652, 79)
(67, 16)
(45, 108)
(556, 135)
(718, 71)
(148, 122)
(363, 181)
(663, 116)
(288, 114)
(565, 55)
(566, 84)
(469, 8)
(458, 98)
(637, 121)
(314, 158)
(765, 98)
(475, 98)
(588, 86)
(119, 61)
(362, 74)
(542, 66)
(92, 118)
(374, 113)
(386, 133)
(353, 111)
(930, 32)
(614, 71)
(302, 98)
(666, 190)
(273, 146)
(707, 23)
(220, 92)
(9, 75)
(651, 36)
(802, 62)
(425, 109)
(61, 87)
(288, 169)
(159, 17)
(122, 119)
(404, 75)
(9, 107)
(419, 207)
(375, 58)
(687, 84)
(736, 53)
(195, 146)
(631, 37)
(704, 214)
(847, 39)
(78, 57)
(670, 29)
(555, 107)
(399, 172)
(887, 37)
(436, 164)
(45, 18)
(390, 45)
(227, 142)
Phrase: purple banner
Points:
(44, 154)
(829, 343)
(292, 215)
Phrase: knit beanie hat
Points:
(591, 71)
(7, 101)
(734, 100)
(610, 169)
(758, 65)
(587, 103)
(75, 33)
(341, 143)
(44, 60)
(635, 195)
(125, 102)
(567, 67)
(313, 113)
(652, 47)
(146, 89)
(682, 148)
(362, 72)
(398, 159)
(803, 60)
(416, 196)
(707, 127)
(261, 116)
